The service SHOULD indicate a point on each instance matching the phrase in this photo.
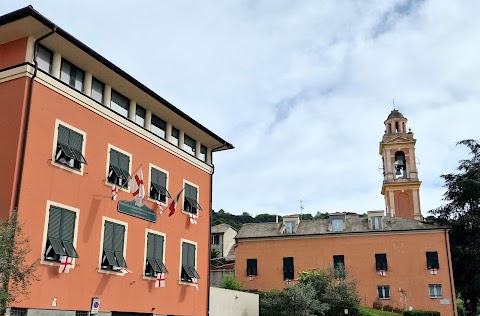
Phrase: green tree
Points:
(333, 288)
(462, 214)
(230, 283)
(15, 273)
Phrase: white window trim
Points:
(183, 197)
(343, 225)
(54, 150)
(110, 146)
(377, 220)
(182, 240)
(156, 232)
(383, 290)
(45, 231)
(441, 291)
(150, 166)
(125, 242)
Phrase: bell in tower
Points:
(400, 177)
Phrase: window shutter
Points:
(191, 255)
(150, 246)
(124, 162)
(68, 231)
(63, 134)
(155, 176)
(381, 261)
(158, 247)
(432, 260)
(114, 156)
(288, 268)
(184, 254)
(54, 222)
(251, 266)
(76, 140)
(118, 240)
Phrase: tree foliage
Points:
(318, 292)
(230, 283)
(15, 273)
(462, 214)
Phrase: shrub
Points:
(230, 283)
(420, 313)
(365, 311)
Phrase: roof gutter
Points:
(26, 118)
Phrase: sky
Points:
(300, 88)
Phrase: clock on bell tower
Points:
(401, 187)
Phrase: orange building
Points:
(395, 257)
(75, 128)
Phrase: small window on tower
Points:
(400, 165)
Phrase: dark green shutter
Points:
(158, 247)
(76, 140)
(381, 261)
(124, 163)
(114, 158)
(118, 241)
(54, 230)
(185, 254)
(63, 134)
(68, 231)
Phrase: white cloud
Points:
(301, 88)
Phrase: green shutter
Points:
(155, 174)
(191, 255)
(124, 162)
(150, 245)
(76, 140)
(118, 240)
(108, 236)
(185, 254)
(54, 222)
(158, 247)
(68, 231)
(114, 158)
(63, 134)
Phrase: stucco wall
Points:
(233, 303)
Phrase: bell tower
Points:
(401, 187)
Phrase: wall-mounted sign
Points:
(95, 305)
(143, 212)
(445, 302)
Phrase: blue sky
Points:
(301, 88)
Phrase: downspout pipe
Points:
(24, 135)
(210, 227)
(449, 259)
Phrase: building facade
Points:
(79, 128)
(395, 258)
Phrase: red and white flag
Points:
(123, 270)
(382, 272)
(173, 205)
(160, 207)
(65, 263)
(193, 220)
(114, 192)
(433, 271)
(195, 282)
(137, 188)
(160, 282)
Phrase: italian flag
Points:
(174, 203)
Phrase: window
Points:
(189, 270)
(60, 234)
(216, 239)
(339, 266)
(69, 148)
(203, 153)
(400, 165)
(381, 261)
(119, 103)
(288, 269)
(289, 227)
(174, 139)
(251, 266)
(158, 126)
(432, 260)
(383, 291)
(158, 185)
(140, 116)
(377, 223)
(190, 203)
(337, 225)
(189, 145)
(435, 290)
(98, 89)
(154, 263)
(15, 311)
(72, 75)
(44, 59)
(119, 168)
(113, 243)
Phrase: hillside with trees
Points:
(236, 221)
